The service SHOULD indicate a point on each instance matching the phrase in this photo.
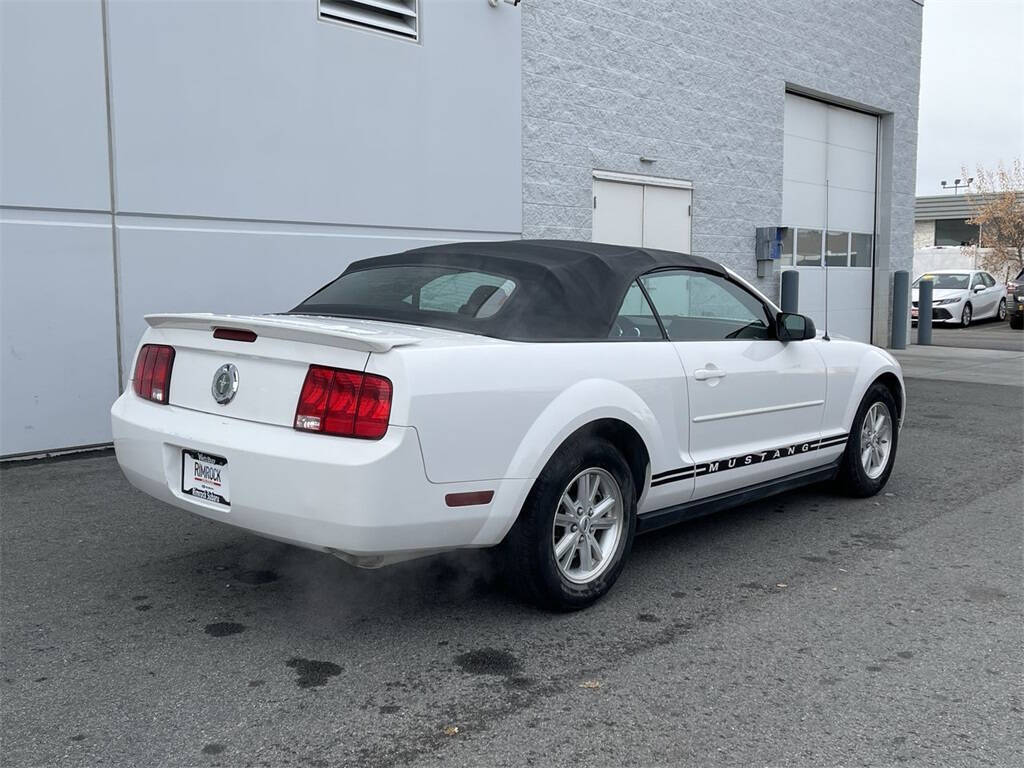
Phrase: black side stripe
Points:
(746, 460)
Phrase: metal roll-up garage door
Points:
(828, 204)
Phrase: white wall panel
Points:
(257, 110)
(182, 266)
(803, 204)
(53, 118)
(849, 314)
(804, 117)
(850, 210)
(803, 159)
(851, 168)
(849, 128)
(58, 364)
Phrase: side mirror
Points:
(792, 327)
(979, 288)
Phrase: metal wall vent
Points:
(398, 18)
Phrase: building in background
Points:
(167, 156)
(941, 232)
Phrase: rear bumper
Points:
(369, 502)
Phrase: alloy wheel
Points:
(875, 440)
(588, 525)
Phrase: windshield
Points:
(947, 281)
(411, 293)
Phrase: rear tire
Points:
(561, 581)
(871, 448)
(1001, 311)
(1017, 322)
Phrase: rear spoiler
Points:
(325, 331)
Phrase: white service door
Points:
(646, 215)
(618, 213)
(667, 218)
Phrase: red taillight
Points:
(348, 403)
(152, 379)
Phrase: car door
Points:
(671, 483)
(995, 291)
(756, 404)
(981, 300)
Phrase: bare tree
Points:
(997, 207)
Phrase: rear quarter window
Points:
(476, 294)
(414, 289)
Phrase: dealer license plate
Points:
(205, 477)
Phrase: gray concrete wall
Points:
(256, 151)
(924, 234)
(699, 86)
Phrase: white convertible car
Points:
(553, 398)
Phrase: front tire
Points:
(575, 530)
(965, 317)
(871, 447)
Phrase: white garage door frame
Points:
(831, 169)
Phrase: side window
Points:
(696, 306)
(636, 320)
(989, 280)
(977, 280)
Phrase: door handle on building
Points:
(703, 374)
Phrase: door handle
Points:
(703, 374)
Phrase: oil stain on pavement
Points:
(312, 673)
(488, 661)
(224, 628)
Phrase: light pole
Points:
(957, 183)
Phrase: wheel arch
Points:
(892, 382)
(619, 432)
(595, 407)
(605, 403)
(626, 440)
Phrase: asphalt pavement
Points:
(982, 334)
(805, 630)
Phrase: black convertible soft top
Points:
(565, 290)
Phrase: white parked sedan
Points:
(553, 398)
(961, 296)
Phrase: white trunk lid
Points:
(272, 368)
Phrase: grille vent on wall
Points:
(398, 18)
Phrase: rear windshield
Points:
(945, 281)
(407, 291)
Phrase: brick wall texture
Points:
(699, 85)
